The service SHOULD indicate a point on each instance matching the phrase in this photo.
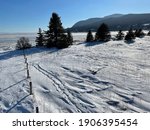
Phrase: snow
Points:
(86, 77)
(147, 24)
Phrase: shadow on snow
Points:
(12, 85)
(88, 44)
(16, 53)
(18, 102)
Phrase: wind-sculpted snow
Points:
(86, 77)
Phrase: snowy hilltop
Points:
(86, 77)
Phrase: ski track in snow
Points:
(109, 77)
(67, 95)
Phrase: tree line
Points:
(56, 36)
(103, 34)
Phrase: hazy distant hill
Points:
(115, 22)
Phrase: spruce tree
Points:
(89, 37)
(139, 33)
(103, 33)
(148, 33)
(130, 35)
(69, 38)
(120, 35)
(55, 34)
(63, 42)
(48, 39)
(40, 39)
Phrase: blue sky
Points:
(29, 15)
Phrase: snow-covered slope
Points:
(86, 77)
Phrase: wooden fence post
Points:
(37, 110)
(30, 84)
(25, 60)
(27, 65)
(28, 76)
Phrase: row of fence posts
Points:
(29, 78)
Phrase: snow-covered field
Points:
(86, 77)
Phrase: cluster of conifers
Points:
(103, 34)
(55, 36)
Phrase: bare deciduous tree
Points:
(23, 43)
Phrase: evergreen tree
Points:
(40, 39)
(55, 34)
(120, 35)
(103, 33)
(69, 37)
(139, 33)
(130, 35)
(63, 42)
(148, 33)
(89, 37)
(48, 39)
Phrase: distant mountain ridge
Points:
(115, 22)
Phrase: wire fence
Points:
(36, 108)
(24, 91)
